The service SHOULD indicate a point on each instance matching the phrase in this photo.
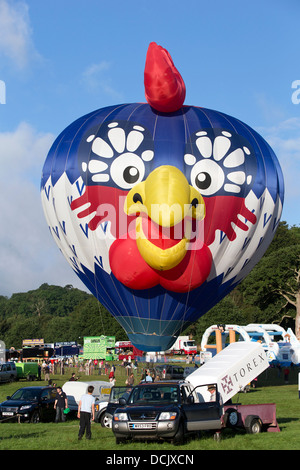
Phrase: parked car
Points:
(33, 404)
(8, 372)
(170, 372)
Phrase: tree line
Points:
(269, 294)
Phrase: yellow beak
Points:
(167, 199)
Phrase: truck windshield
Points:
(156, 394)
(119, 392)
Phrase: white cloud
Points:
(28, 255)
(95, 79)
(15, 33)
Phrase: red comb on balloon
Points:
(164, 86)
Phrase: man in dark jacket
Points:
(60, 404)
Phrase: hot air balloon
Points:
(161, 208)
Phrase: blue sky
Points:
(62, 59)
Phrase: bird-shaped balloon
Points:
(161, 208)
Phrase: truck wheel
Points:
(232, 418)
(254, 427)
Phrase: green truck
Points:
(27, 370)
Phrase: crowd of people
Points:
(88, 367)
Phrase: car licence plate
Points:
(7, 413)
(142, 426)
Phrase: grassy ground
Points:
(63, 436)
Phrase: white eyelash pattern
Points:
(215, 150)
(118, 143)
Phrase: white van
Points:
(75, 390)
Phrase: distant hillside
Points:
(56, 314)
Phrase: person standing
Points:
(86, 413)
(112, 373)
(130, 380)
(47, 372)
(148, 377)
(60, 404)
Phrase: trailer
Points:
(27, 370)
(230, 371)
(253, 418)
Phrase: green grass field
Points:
(63, 436)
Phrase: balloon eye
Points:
(131, 174)
(127, 170)
(207, 177)
(203, 181)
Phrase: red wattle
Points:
(129, 267)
